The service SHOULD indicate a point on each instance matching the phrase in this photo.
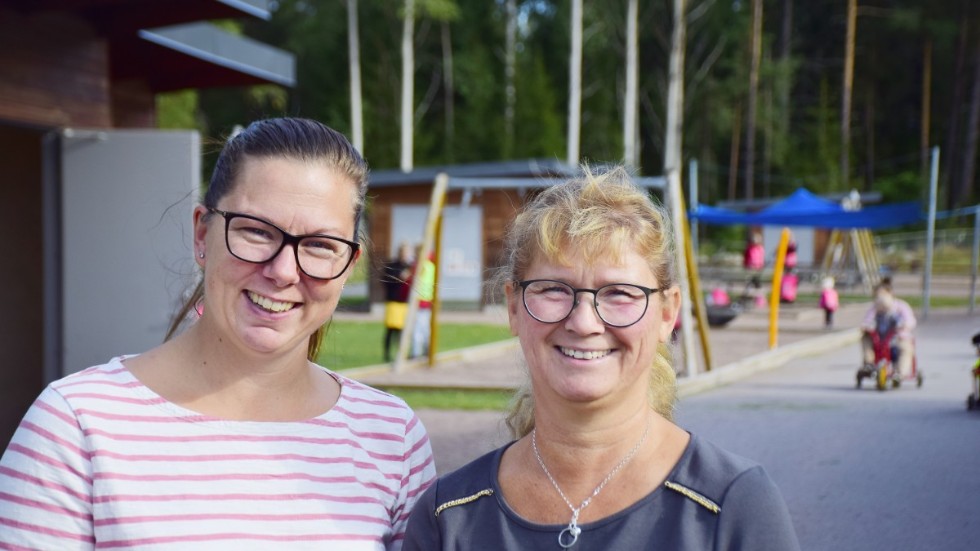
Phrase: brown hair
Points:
(293, 138)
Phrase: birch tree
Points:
(630, 133)
(753, 98)
(408, 85)
(510, 69)
(575, 85)
(845, 108)
(672, 171)
(972, 136)
(354, 59)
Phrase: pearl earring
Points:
(201, 255)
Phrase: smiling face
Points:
(581, 359)
(273, 307)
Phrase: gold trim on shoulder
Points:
(464, 500)
(694, 496)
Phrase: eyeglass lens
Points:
(619, 304)
(256, 241)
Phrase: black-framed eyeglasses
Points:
(617, 304)
(255, 240)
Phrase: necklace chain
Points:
(569, 535)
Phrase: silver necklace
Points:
(569, 535)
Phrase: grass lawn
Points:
(470, 400)
(358, 343)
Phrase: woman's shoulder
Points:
(714, 458)
(111, 373)
(90, 389)
(361, 400)
(468, 483)
(708, 471)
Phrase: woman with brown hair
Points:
(228, 435)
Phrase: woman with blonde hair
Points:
(597, 462)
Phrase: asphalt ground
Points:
(740, 350)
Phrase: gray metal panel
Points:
(255, 8)
(654, 182)
(461, 259)
(493, 169)
(804, 237)
(209, 43)
(127, 198)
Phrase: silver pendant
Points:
(566, 541)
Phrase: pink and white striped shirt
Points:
(101, 461)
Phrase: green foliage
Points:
(177, 110)
(440, 10)
(903, 186)
(539, 129)
(798, 142)
(467, 400)
(821, 163)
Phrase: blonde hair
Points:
(599, 216)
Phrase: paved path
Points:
(861, 469)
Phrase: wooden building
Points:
(95, 208)
(482, 201)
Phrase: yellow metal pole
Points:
(436, 301)
(777, 282)
(697, 297)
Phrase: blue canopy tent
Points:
(803, 208)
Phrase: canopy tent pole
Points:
(930, 232)
(692, 179)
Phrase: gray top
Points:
(711, 500)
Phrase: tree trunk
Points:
(951, 176)
(510, 90)
(733, 156)
(408, 84)
(767, 134)
(672, 171)
(785, 52)
(755, 61)
(575, 84)
(962, 191)
(354, 58)
(845, 108)
(630, 146)
(447, 80)
(869, 131)
(926, 108)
